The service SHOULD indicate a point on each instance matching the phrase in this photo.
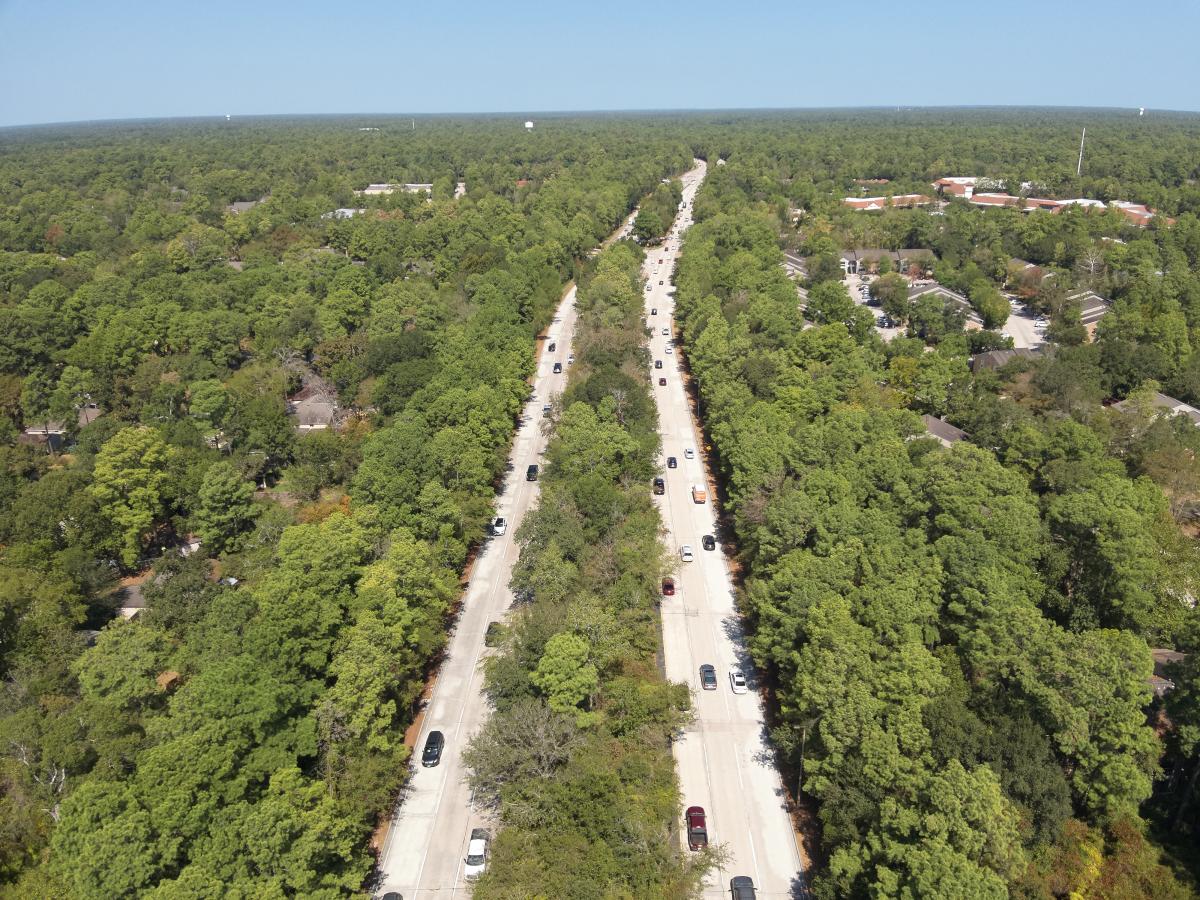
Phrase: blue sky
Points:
(105, 59)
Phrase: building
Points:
(53, 434)
(942, 431)
(1169, 406)
(312, 407)
(1092, 308)
(996, 359)
(863, 260)
(951, 298)
(344, 212)
(372, 190)
(1160, 682)
(956, 186)
(1135, 213)
(240, 206)
(871, 204)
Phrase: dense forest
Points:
(161, 338)
(252, 421)
(959, 639)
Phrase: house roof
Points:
(947, 296)
(241, 206)
(945, 433)
(1092, 307)
(995, 359)
(1169, 404)
(875, 203)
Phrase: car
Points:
(708, 542)
(660, 486)
(662, 382)
(697, 827)
(666, 332)
(654, 310)
(668, 587)
(737, 680)
(499, 526)
(685, 553)
(557, 368)
(672, 462)
(689, 453)
(660, 281)
(660, 260)
(741, 887)
(477, 853)
(708, 677)
(546, 410)
(670, 351)
(531, 473)
(570, 358)
(658, 364)
(649, 286)
(432, 754)
(551, 347)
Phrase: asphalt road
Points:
(724, 761)
(425, 847)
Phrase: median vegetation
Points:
(575, 761)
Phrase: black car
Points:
(660, 486)
(658, 364)
(708, 542)
(557, 368)
(432, 754)
(551, 347)
(672, 462)
(741, 887)
(654, 310)
(531, 473)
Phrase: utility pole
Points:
(1079, 168)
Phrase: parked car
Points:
(531, 473)
(660, 486)
(737, 680)
(708, 542)
(557, 368)
(668, 587)
(551, 347)
(672, 462)
(685, 553)
(697, 828)
(477, 852)
(546, 410)
(741, 887)
(658, 364)
(654, 310)
(432, 754)
(708, 677)
(662, 382)
(570, 358)
(499, 526)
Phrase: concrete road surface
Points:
(724, 760)
(423, 854)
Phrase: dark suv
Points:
(432, 754)
(531, 473)
(660, 486)
(741, 887)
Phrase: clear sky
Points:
(104, 59)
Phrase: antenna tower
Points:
(1079, 167)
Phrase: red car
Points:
(697, 832)
(662, 382)
(668, 587)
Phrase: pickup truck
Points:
(699, 494)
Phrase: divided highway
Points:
(724, 759)
(425, 849)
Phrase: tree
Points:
(224, 507)
(564, 674)
(829, 302)
(130, 481)
(990, 304)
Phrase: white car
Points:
(670, 350)
(499, 526)
(685, 553)
(477, 851)
(689, 453)
(737, 681)
(666, 332)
